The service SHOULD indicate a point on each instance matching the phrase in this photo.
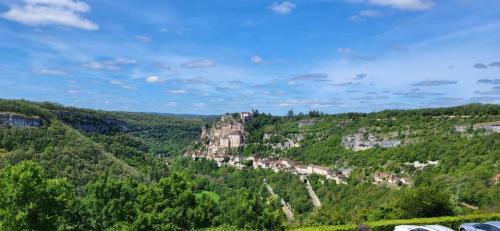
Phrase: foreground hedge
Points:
(388, 225)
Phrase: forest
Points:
(131, 173)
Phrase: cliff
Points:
(91, 123)
(228, 132)
(18, 120)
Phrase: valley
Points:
(281, 172)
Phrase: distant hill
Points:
(81, 143)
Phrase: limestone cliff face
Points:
(17, 120)
(490, 127)
(363, 140)
(228, 132)
(90, 123)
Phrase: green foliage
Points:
(123, 183)
(29, 201)
(424, 202)
(388, 225)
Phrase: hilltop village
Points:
(229, 133)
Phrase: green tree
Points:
(424, 202)
(30, 201)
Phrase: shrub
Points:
(388, 225)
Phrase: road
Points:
(286, 208)
(314, 198)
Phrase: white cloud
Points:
(122, 61)
(365, 14)
(199, 63)
(73, 91)
(111, 65)
(51, 72)
(370, 13)
(51, 12)
(256, 59)
(405, 4)
(282, 8)
(154, 79)
(400, 4)
(180, 91)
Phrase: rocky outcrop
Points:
(228, 132)
(305, 123)
(20, 121)
(363, 140)
(292, 141)
(92, 123)
(490, 127)
(461, 128)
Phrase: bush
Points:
(388, 225)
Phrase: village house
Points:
(303, 170)
(245, 116)
(224, 143)
(320, 170)
(406, 180)
(235, 139)
(393, 179)
(380, 177)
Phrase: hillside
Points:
(360, 164)
(79, 144)
(142, 171)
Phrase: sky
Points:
(213, 57)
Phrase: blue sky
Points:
(211, 57)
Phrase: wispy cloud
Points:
(142, 38)
(312, 77)
(282, 8)
(51, 12)
(489, 81)
(348, 53)
(360, 76)
(417, 94)
(431, 83)
(51, 72)
(199, 63)
(493, 91)
(480, 66)
(116, 82)
(345, 84)
(178, 91)
(365, 14)
(111, 65)
(307, 102)
(495, 64)
(400, 4)
(256, 59)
